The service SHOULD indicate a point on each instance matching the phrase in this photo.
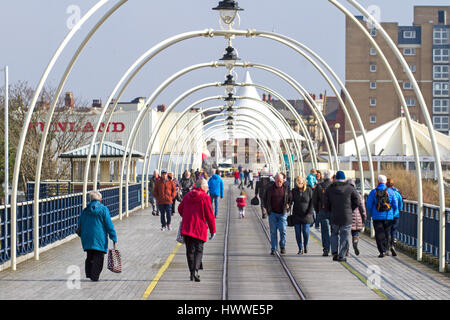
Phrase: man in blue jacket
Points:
(381, 205)
(215, 185)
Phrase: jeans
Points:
(316, 219)
(215, 202)
(152, 200)
(340, 236)
(324, 218)
(277, 222)
(302, 229)
(382, 234)
(166, 214)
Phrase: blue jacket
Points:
(399, 202)
(372, 204)
(96, 225)
(311, 180)
(215, 185)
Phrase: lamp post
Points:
(228, 10)
(6, 138)
(337, 126)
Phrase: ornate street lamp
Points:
(230, 100)
(229, 58)
(229, 84)
(337, 126)
(228, 10)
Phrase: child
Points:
(241, 203)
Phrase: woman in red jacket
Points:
(197, 213)
(241, 203)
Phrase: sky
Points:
(31, 31)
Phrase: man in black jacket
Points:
(322, 214)
(151, 187)
(340, 200)
(260, 189)
(277, 200)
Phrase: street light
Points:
(229, 58)
(337, 126)
(229, 84)
(230, 100)
(228, 10)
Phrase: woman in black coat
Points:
(302, 213)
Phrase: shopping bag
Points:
(254, 201)
(114, 260)
(290, 220)
(180, 237)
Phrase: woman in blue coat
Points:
(96, 225)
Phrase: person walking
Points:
(381, 205)
(302, 203)
(151, 187)
(241, 180)
(358, 219)
(395, 220)
(323, 215)
(277, 201)
(341, 200)
(250, 179)
(165, 192)
(260, 189)
(215, 185)
(241, 201)
(177, 191)
(186, 182)
(236, 177)
(197, 216)
(96, 226)
(312, 178)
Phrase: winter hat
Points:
(340, 176)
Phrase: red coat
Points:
(236, 174)
(197, 213)
(164, 191)
(241, 201)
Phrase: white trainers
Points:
(163, 228)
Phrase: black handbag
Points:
(290, 220)
(254, 201)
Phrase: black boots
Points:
(355, 245)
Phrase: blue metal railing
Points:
(407, 228)
(58, 218)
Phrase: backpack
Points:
(383, 203)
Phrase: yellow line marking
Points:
(355, 273)
(161, 271)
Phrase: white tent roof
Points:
(250, 91)
(393, 139)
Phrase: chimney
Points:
(270, 97)
(161, 108)
(68, 100)
(264, 97)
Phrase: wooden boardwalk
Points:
(155, 268)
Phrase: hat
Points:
(163, 170)
(340, 175)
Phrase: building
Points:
(425, 46)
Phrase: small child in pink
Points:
(241, 201)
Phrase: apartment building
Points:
(425, 46)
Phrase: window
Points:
(440, 105)
(409, 51)
(412, 67)
(407, 85)
(440, 36)
(373, 85)
(440, 72)
(373, 68)
(440, 122)
(440, 89)
(373, 102)
(441, 16)
(440, 55)
(373, 52)
(410, 102)
(373, 118)
(411, 34)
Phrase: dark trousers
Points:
(194, 253)
(94, 264)
(166, 214)
(382, 234)
(394, 230)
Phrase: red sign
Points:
(75, 127)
